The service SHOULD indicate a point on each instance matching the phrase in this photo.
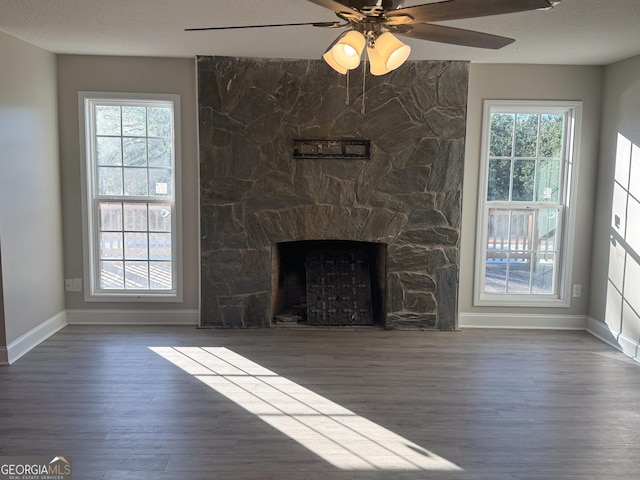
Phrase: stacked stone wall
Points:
(255, 194)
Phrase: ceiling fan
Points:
(374, 24)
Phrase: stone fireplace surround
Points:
(254, 194)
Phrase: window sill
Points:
(537, 301)
(133, 297)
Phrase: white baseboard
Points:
(601, 331)
(35, 337)
(133, 317)
(522, 321)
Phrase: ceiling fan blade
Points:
(456, 36)
(456, 9)
(238, 27)
(339, 8)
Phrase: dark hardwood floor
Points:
(167, 403)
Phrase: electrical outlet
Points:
(577, 290)
(68, 285)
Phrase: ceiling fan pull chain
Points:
(347, 102)
(364, 88)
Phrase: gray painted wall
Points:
(130, 75)
(616, 254)
(30, 213)
(4, 356)
(532, 82)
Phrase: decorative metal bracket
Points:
(336, 149)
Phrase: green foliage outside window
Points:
(525, 151)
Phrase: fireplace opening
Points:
(328, 283)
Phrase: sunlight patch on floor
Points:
(344, 439)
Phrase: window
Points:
(130, 178)
(525, 219)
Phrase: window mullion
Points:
(513, 156)
(536, 165)
(534, 248)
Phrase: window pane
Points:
(160, 152)
(495, 276)
(109, 181)
(521, 238)
(160, 218)
(551, 128)
(160, 246)
(160, 181)
(547, 228)
(501, 134)
(136, 275)
(160, 275)
(134, 152)
(544, 271)
(526, 135)
(111, 275)
(107, 120)
(495, 280)
(111, 245)
(498, 231)
(160, 122)
(110, 216)
(135, 246)
(519, 273)
(514, 262)
(134, 121)
(109, 151)
(135, 181)
(523, 180)
(548, 181)
(135, 216)
(499, 179)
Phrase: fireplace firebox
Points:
(328, 283)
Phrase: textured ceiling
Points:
(588, 32)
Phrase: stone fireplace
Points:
(402, 205)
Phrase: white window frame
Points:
(561, 297)
(90, 218)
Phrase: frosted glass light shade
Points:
(345, 51)
(392, 51)
(332, 63)
(376, 64)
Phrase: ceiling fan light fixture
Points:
(371, 22)
(346, 50)
(391, 51)
(332, 63)
(376, 64)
